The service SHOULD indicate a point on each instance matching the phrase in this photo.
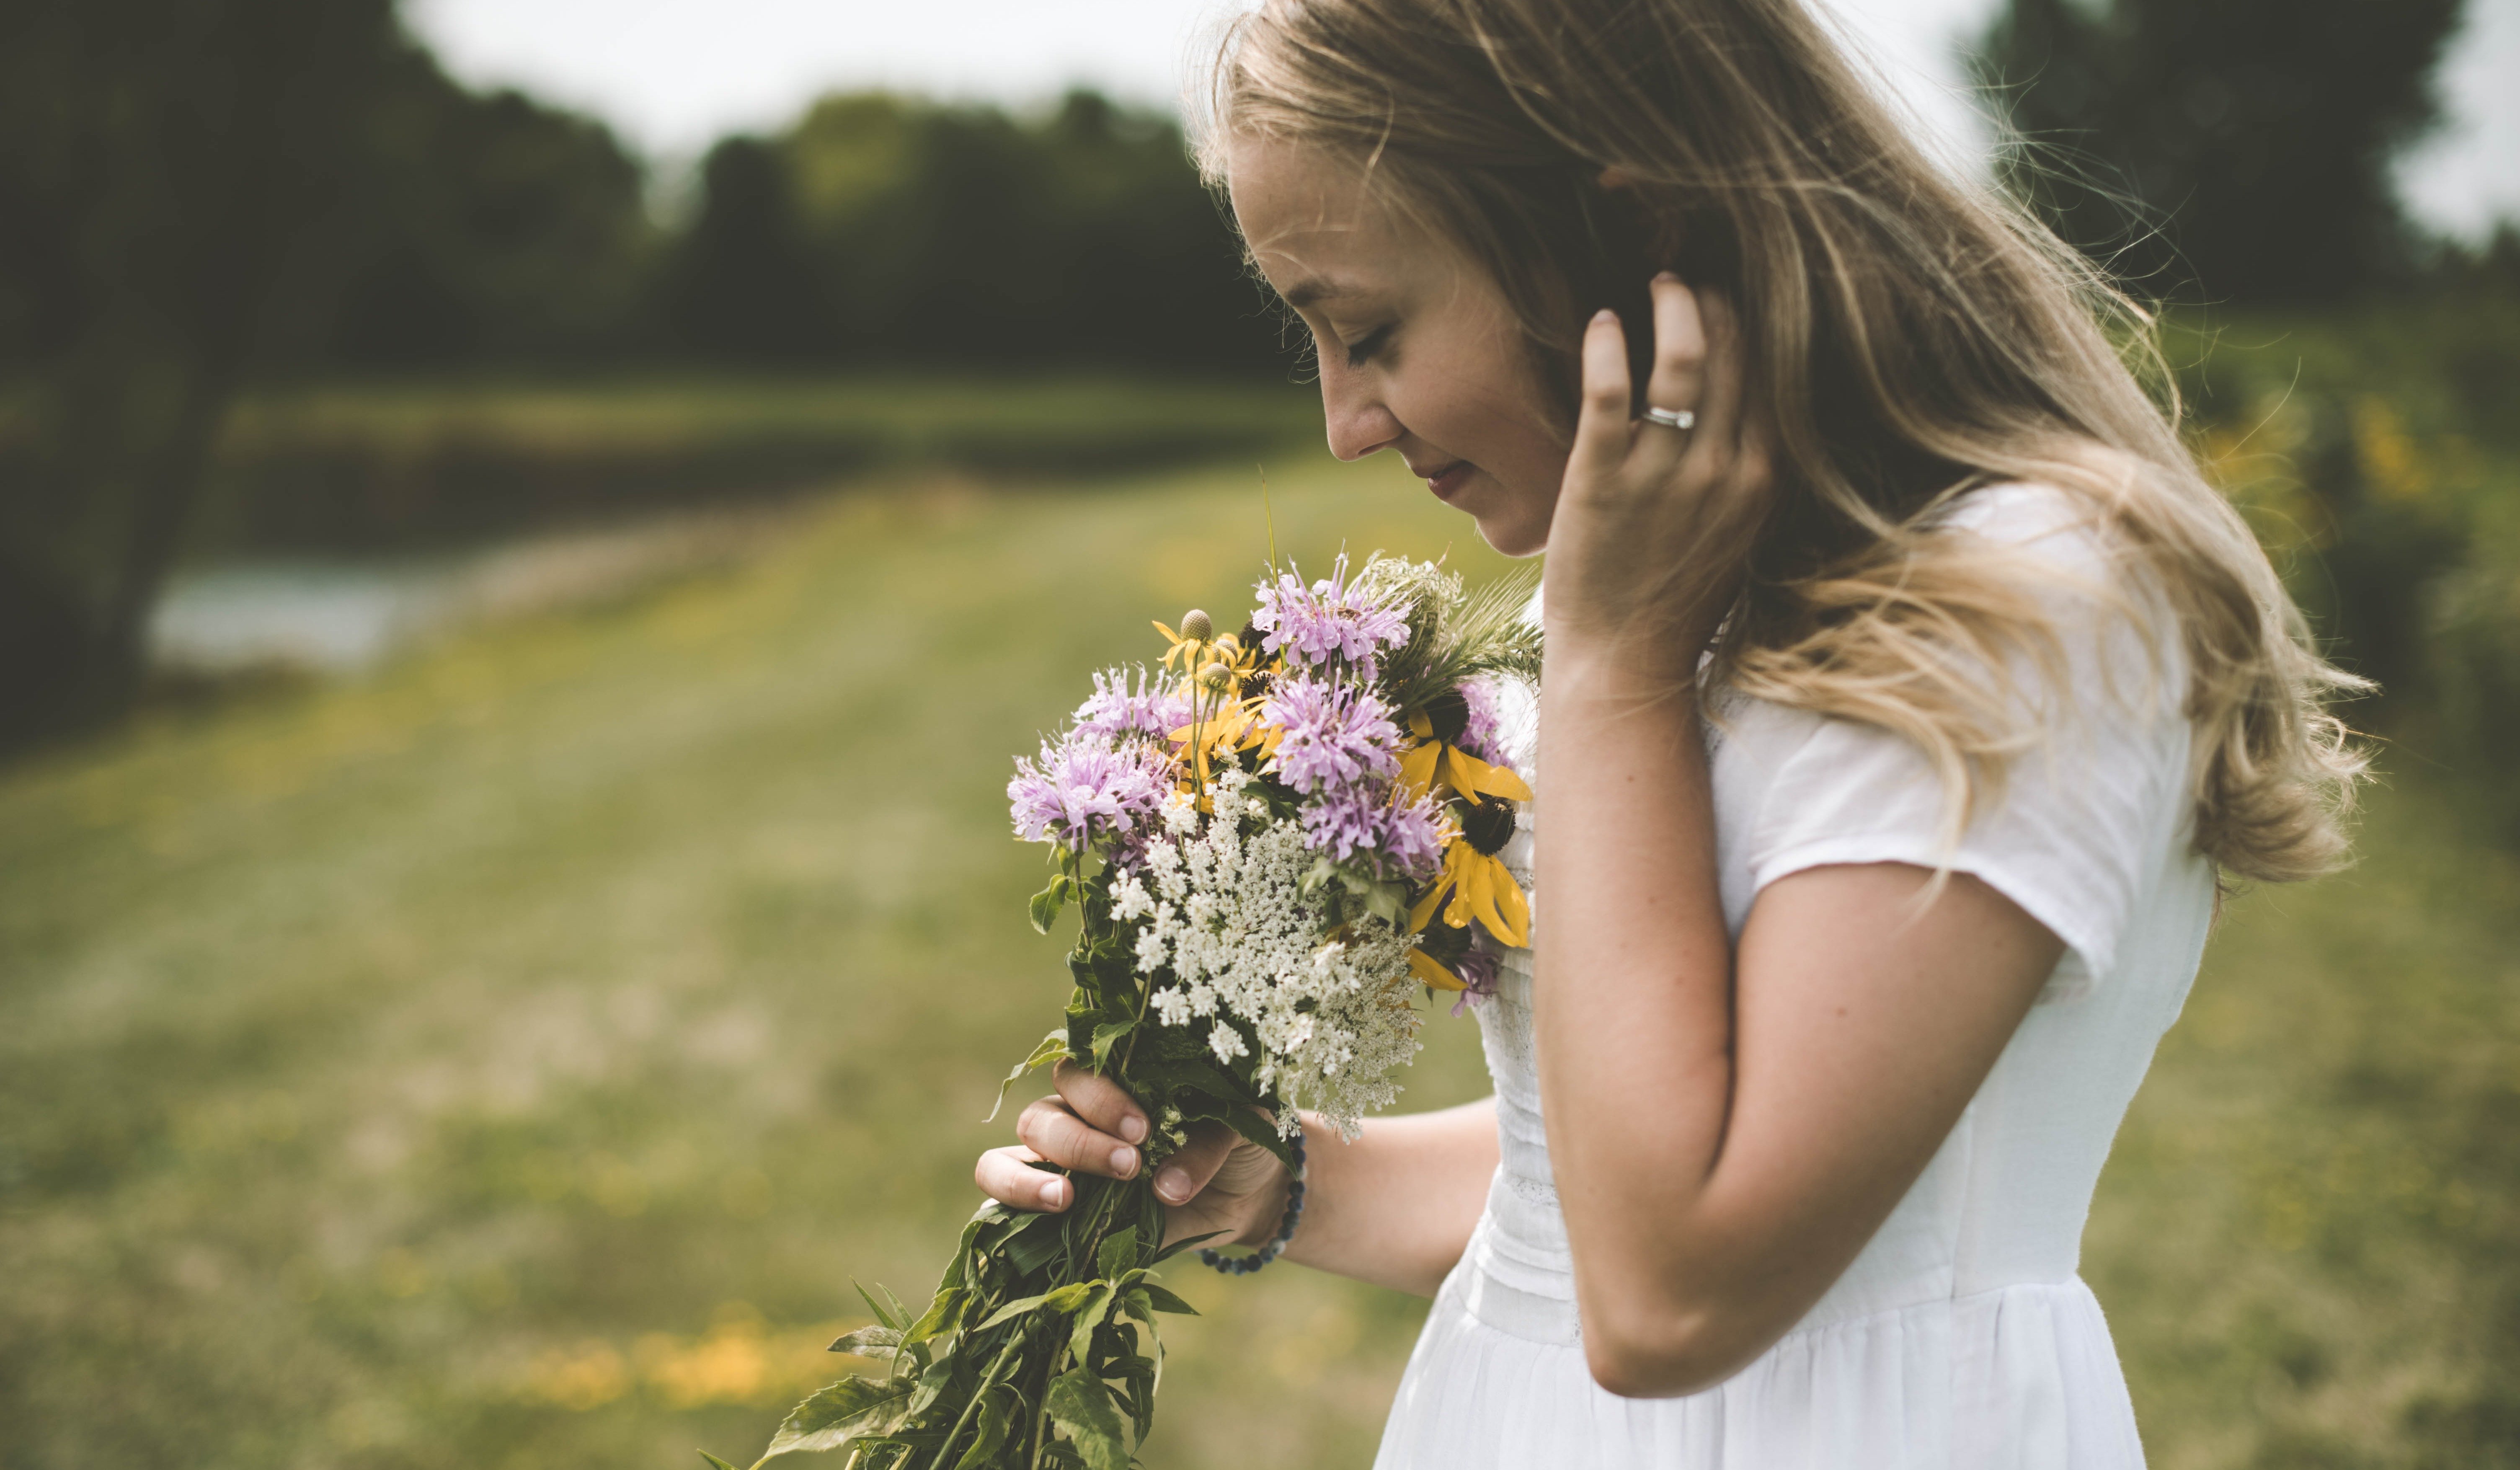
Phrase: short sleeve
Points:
(2088, 814)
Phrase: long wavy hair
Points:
(1909, 339)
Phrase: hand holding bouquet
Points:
(1273, 840)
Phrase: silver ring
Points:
(1681, 418)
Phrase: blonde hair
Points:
(1908, 340)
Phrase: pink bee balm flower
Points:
(1082, 789)
(1330, 736)
(1126, 704)
(1328, 621)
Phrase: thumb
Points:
(1188, 1169)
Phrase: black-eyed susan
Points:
(1440, 766)
(1474, 883)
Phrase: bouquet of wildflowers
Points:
(1276, 840)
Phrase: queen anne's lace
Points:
(1225, 914)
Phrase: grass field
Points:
(511, 1060)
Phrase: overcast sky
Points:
(672, 76)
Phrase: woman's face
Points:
(1418, 350)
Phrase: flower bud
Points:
(1217, 676)
(1197, 626)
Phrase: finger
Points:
(1071, 1143)
(1602, 432)
(1189, 1169)
(1719, 414)
(1006, 1176)
(1101, 1102)
(1678, 379)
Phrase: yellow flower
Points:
(1431, 970)
(1435, 766)
(1480, 887)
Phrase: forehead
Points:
(1316, 227)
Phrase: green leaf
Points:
(1032, 1250)
(851, 1408)
(1183, 1244)
(1068, 1298)
(870, 1342)
(998, 1408)
(1047, 903)
(1049, 1048)
(1388, 901)
(891, 1317)
(1163, 1300)
(1189, 1072)
(1088, 1315)
(1081, 1406)
(714, 1460)
(931, 1386)
(1120, 1252)
(1107, 1036)
(1013, 1310)
(940, 1318)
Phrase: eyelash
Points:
(1362, 350)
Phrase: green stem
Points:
(945, 1451)
(1041, 1409)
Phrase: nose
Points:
(1358, 421)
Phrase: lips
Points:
(1448, 481)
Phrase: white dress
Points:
(1961, 1336)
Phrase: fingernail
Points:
(1124, 1162)
(1173, 1185)
(1133, 1128)
(1605, 317)
(1053, 1195)
(1671, 276)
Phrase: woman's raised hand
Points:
(1217, 1182)
(1651, 536)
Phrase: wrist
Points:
(1265, 1209)
(1616, 669)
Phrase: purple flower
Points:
(1082, 789)
(1330, 621)
(1477, 969)
(1481, 729)
(1332, 736)
(1126, 707)
(1398, 841)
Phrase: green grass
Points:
(511, 1059)
(908, 413)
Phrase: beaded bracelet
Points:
(1243, 1266)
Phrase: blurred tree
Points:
(176, 179)
(501, 230)
(193, 190)
(2240, 146)
(964, 237)
(742, 286)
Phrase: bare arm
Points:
(1394, 1208)
(1727, 1129)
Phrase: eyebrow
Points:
(1314, 288)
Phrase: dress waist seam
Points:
(1518, 1311)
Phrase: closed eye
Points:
(1362, 350)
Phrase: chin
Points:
(1513, 535)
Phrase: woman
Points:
(1907, 695)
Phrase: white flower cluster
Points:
(1225, 911)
